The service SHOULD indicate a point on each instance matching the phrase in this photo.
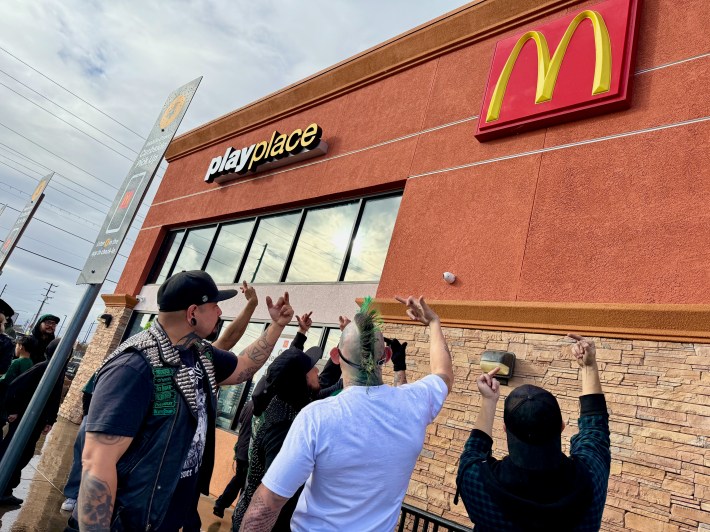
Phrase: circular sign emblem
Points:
(37, 192)
(172, 111)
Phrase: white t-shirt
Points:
(355, 452)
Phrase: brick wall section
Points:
(658, 395)
(105, 340)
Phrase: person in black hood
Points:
(7, 345)
(43, 332)
(19, 394)
(538, 487)
(290, 383)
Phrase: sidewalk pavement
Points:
(43, 480)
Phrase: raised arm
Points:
(440, 358)
(254, 356)
(97, 493)
(489, 388)
(585, 352)
(233, 333)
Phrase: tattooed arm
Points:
(254, 356)
(263, 511)
(97, 493)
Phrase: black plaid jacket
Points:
(590, 446)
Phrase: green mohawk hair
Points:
(369, 323)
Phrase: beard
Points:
(215, 332)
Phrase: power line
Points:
(59, 156)
(83, 186)
(70, 92)
(69, 213)
(53, 260)
(68, 111)
(66, 231)
(58, 191)
(81, 192)
(66, 122)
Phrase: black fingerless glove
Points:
(399, 354)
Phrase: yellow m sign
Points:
(548, 69)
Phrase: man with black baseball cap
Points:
(537, 487)
(149, 448)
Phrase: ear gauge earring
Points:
(193, 321)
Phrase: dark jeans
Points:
(71, 488)
(26, 455)
(234, 487)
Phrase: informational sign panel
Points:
(134, 187)
(577, 66)
(22, 220)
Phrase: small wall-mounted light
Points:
(105, 319)
(505, 360)
(449, 277)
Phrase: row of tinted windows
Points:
(343, 242)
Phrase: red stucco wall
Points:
(619, 220)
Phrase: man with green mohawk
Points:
(356, 451)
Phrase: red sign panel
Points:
(574, 67)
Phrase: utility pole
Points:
(91, 326)
(47, 296)
(259, 263)
(64, 320)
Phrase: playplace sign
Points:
(280, 150)
(589, 73)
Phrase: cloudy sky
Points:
(81, 84)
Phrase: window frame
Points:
(303, 211)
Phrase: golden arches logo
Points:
(172, 112)
(548, 69)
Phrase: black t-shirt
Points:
(121, 401)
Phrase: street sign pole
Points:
(118, 220)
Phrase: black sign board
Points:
(134, 187)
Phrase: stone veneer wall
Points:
(104, 341)
(658, 394)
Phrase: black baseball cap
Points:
(6, 309)
(533, 423)
(195, 287)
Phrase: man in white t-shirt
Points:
(356, 451)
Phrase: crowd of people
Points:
(328, 451)
(23, 361)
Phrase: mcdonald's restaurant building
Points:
(553, 155)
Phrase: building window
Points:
(228, 251)
(270, 248)
(172, 244)
(372, 239)
(139, 321)
(322, 244)
(346, 241)
(194, 250)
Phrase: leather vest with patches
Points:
(149, 470)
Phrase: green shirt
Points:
(17, 368)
